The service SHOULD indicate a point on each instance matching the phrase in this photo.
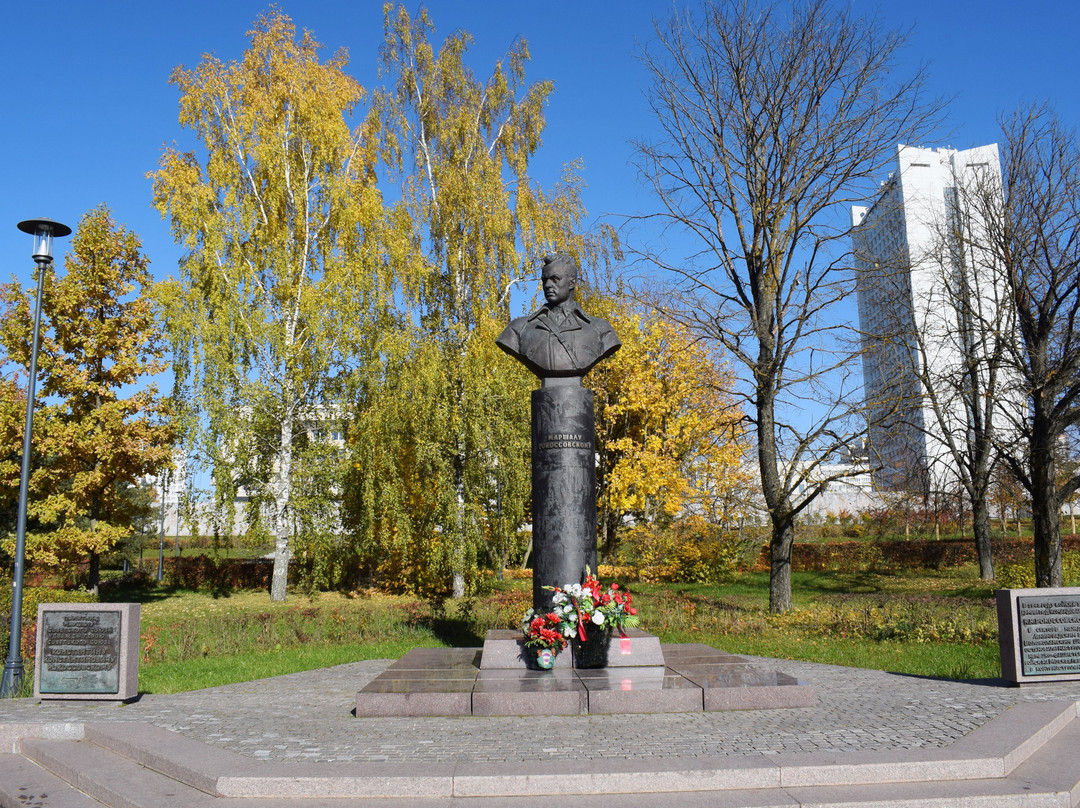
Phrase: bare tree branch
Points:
(773, 117)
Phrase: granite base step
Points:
(648, 678)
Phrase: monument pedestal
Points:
(563, 487)
(505, 648)
(650, 678)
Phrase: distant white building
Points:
(172, 483)
(189, 504)
(907, 314)
(850, 490)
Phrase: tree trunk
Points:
(279, 582)
(1045, 509)
(778, 503)
(610, 526)
(458, 561)
(783, 537)
(93, 576)
(980, 527)
(1047, 539)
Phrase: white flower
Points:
(570, 631)
(558, 597)
(598, 618)
(529, 615)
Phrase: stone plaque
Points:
(1049, 634)
(87, 651)
(1039, 634)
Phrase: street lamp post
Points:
(43, 231)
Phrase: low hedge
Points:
(883, 556)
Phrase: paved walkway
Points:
(306, 717)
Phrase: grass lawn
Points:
(939, 624)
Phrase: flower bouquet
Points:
(544, 634)
(589, 614)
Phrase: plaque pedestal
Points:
(1039, 634)
(87, 651)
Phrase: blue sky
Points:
(87, 103)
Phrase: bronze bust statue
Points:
(559, 339)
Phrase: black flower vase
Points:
(593, 653)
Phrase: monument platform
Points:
(642, 676)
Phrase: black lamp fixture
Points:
(43, 231)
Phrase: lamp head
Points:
(43, 231)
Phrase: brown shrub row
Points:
(204, 572)
(855, 556)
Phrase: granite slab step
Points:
(1055, 767)
(25, 784)
(652, 678)
(176, 756)
(113, 779)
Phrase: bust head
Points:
(559, 278)
(559, 347)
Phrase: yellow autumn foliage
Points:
(670, 434)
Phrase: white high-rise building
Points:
(910, 266)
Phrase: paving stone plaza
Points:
(308, 717)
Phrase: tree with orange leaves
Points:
(94, 440)
(668, 432)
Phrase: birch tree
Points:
(773, 117)
(472, 219)
(276, 210)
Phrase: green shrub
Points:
(926, 619)
(691, 551)
(1021, 574)
(32, 596)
